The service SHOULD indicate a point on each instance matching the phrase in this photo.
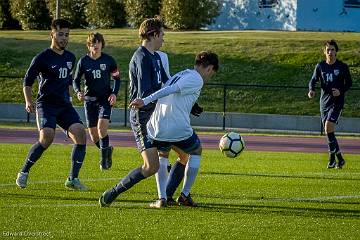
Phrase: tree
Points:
(138, 10)
(105, 13)
(32, 14)
(189, 14)
(71, 10)
(6, 20)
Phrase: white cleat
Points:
(21, 179)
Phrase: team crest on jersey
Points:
(69, 64)
(103, 66)
(336, 72)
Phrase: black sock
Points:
(98, 144)
(34, 154)
(332, 142)
(104, 142)
(130, 180)
(175, 177)
(77, 159)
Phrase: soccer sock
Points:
(191, 171)
(98, 144)
(161, 177)
(130, 180)
(175, 177)
(332, 142)
(34, 154)
(339, 156)
(77, 159)
(104, 142)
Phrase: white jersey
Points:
(170, 121)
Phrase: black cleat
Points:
(340, 164)
(170, 201)
(186, 201)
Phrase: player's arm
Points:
(76, 83)
(115, 75)
(29, 105)
(314, 79)
(163, 92)
(29, 79)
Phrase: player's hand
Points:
(311, 94)
(335, 92)
(196, 110)
(112, 99)
(137, 103)
(80, 96)
(29, 107)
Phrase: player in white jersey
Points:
(169, 124)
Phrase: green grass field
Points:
(260, 195)
(246, 57)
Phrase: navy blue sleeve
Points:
(77, 78)
(347, 79)
(315, 77)
(144, 77)
(115, 75)
(32, 72)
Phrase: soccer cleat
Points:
(107, 198)
(332, 162)
(75, 184)
(106, 158)
(160, 203)
(21, 179)
(340, 164)
(186, 201)
(170, 201)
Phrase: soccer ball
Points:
(231, 144)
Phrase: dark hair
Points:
(95, 37)
(206, 58)
(60, 23)
(331, 42)
(150, 27)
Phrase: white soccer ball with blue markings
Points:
(231, 144)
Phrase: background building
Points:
(292, 15)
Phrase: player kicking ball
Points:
(169, 125)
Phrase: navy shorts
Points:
(47, 116)
(94, 110)
(188, 145)
(330, 114)
(138, 121)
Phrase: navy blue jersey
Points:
(98, 74)
(146, 73)
(336, 75)
(54, 74)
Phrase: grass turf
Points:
(259, 195)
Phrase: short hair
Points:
(95, 37)
(206, 58)
(331, 42)
(150, 27)
(60, 23)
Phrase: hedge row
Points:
(177, 14)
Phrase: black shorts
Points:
(188, 145)
(94, 110)
(47, 116)
(138, 121)
(331, 114)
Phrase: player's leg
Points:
(192, 146)
(91, 115)
(102, 126)
(70, 121)
(334, 149)
(46, 122)
(176, 174)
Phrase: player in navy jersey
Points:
(335, 81)
(53, 68)
(99, 69)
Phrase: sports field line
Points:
(144, 204)
(330, 176)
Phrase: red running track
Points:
(210, 141)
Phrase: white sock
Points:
(191, 171)
(161, 177)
